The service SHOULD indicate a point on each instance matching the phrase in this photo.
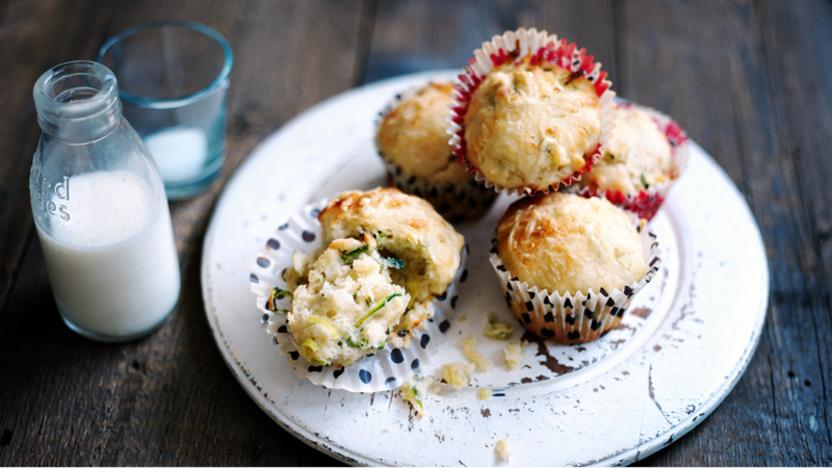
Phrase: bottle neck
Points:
(77, 102)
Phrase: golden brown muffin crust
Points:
(413, 135)
(531, 125)
(637, 157)
(567, 243)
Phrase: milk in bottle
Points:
(100, 209)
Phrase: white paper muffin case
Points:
(388, 368)
(467, 200)
(572, 318)
(541, 47)
(646, 203)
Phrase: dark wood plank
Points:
(797, 45)
(733, 74)
(168, 399)
(417, 36)
(36, 36)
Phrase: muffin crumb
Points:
(513, 355)
(436, 388)
(484, 393)
(411, 395)
(502, 449)
(473, 355)
(497, 329)
(456, 374)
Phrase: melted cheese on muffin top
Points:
(413, 135)
(531, 126)
(567, 243)
(637, 157)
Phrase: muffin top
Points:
(349, 305)
(567, 243)
(406, 228)
(413, 135)
(530, 126)
(637, 157)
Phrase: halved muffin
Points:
(348, 304)
(387, 256)
(406, 228)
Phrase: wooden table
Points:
(750, 81)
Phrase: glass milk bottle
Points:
(99, 208)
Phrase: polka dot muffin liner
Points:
(646, 203)
(386, 369)
(455, 201)
(541, 47)
(572, 318)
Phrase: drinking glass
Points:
(173, 80)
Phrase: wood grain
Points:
(726, 83)
(748, 80)
(35, 37)
(414, 36)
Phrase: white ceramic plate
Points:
(680, 350)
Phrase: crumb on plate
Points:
(411, 395)
(473, 355)
(502, 449)
(513, 355)
(456, 374)
(497, 329)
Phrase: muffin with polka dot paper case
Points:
(412, 141)
(531, 112)
(645, 155)
(357, 292)
(569, 266)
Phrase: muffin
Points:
(531, 125)
(348, 306)
(406, 228)
(387, 256)
(532, 116)
(347, 288)
(411, 139)
(639, 162)
(569, 265)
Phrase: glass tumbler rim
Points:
(171, 102)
